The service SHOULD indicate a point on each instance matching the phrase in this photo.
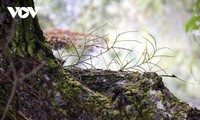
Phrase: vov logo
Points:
(20, 11)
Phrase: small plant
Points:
(88, 50)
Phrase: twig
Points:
(23, 116)
(33, 71)
(16, 81)
(174, 76)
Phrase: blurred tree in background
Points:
(163, 19)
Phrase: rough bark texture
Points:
(54, 93)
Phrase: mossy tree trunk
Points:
(33, 85)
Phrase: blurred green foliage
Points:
(194, 22)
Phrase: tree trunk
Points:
(33, 85)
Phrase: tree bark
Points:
(33, 85)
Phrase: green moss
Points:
(52, 64)
(75, 83)
(71, 88)
(31, 47)
(128, 93)
(159, 95)
(115, 112)
(20, 52)
(40, 55)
